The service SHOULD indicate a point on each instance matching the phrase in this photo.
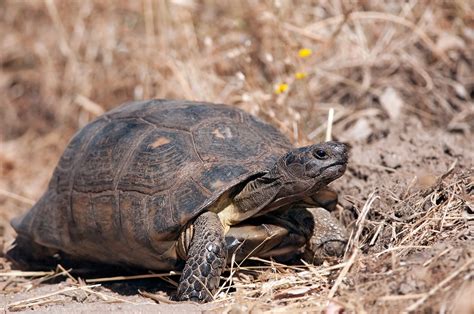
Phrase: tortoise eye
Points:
(290, 158)
(320, 154)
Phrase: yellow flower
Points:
(281, 88)
(305, 52)
(300, 75)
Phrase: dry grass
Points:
(389, 280)
(381, 66)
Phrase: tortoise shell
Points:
(131, 180)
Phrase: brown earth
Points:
(399, 77)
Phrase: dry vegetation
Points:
(399, 77)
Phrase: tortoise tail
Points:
(24, 254)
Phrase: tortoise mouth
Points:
(337, 168)
(339, 163)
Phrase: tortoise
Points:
(159, 184)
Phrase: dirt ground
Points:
(399, 78)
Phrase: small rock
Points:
(333, 308)
(361, 130)
(391, 102)
(460, 90)
(468, 212)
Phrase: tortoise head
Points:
(297, 175)
(313, 166)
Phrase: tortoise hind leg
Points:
(327, 236)
(26, 254)
(205, 260)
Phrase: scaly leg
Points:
(205, 260)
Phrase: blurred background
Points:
(389, 69)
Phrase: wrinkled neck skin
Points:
(276, 189)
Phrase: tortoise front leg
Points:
(206, 259)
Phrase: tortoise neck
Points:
(257, 194)
(275, 190)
